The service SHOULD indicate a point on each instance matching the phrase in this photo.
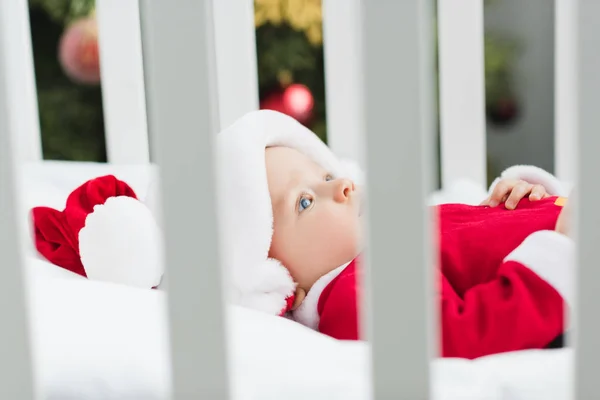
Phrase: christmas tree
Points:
(290, 71)
(70, 111)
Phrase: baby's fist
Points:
(511, 191)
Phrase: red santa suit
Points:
(504, 278)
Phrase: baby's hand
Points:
(511, 191)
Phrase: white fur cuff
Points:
(533, 175)
(552, 257)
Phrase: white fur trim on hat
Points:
(534, 175)
(245, 213)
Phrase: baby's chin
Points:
(359, 246)
(348, 252)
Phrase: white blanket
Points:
(101, 341)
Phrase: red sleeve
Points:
(522, 308)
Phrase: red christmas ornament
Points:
(78, 51)
(296, 101)
(504, 111)
(273, 101)
(299, 102)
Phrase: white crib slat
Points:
(341, 22)
(182, 118)
(23, 91)
(397, 87)
(16, 379)
(587, 327)
(235, 48)
(122, 74)
(462, 91)
(565, 106)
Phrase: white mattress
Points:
(101, 341)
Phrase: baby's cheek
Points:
(343, 239)
(275, 249)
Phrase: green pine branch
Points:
(65, 11)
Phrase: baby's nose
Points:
(344, 189)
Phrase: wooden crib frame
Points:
(182, 98)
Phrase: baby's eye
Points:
(304, 203)
(328, 177)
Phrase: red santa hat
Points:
(104, 233)
(245, 210)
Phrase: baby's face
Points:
(316, 218)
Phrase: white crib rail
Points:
(122, 73)
(182, 120)
(123, 77)
(23, 90)
(565, 103)
(341, 36)
(235, 47)
(462, 91)
(587, 118)
(397, 57)
(16, 373)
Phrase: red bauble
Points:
(273, 101)
(504, 111)
(296, 101)
(299, 102)
(78, 51)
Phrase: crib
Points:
(156, 104)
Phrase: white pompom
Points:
(121, 243)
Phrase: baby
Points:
(291, 230)
(489, 304)
(316, 218)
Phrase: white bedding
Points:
(102, 341)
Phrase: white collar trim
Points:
(307, 313)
